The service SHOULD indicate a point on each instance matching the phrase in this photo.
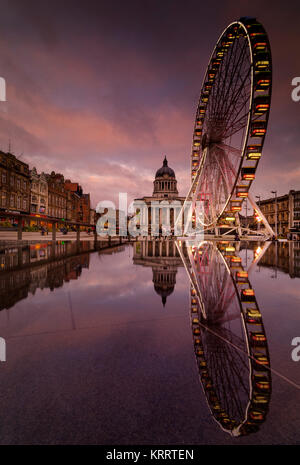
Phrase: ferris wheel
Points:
(231, 121)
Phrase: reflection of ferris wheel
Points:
(229, 337)
(231, 121)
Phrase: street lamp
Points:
(259, 218)
(275, 196)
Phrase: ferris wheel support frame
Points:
(267, 234)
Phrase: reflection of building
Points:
(38, 266)
(162, 256)
(283, 256)
(39, 193)
(165, 189)
(14, 184)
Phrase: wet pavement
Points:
(101, 344)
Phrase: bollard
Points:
(95, 235)
(54, 231)
(78, 233)
(20, 228)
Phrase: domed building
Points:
(164, 189)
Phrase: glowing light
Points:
(248, 292)
(258, 251)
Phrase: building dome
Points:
(165, 184)
(165, 170)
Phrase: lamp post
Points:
(275, 196)
(258, 197)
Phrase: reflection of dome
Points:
(165, 170)
(164, 279)
(164, 293)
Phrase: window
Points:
(12, 200)
(3, 178)
(24, 204)
(12, 180)
(25, 185)
(18, 184)
(18, 202)
(3, 199)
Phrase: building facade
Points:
(85, 208)
(14, 184)
(39, 193)
(164, 189)
(276, 211)
(74, 193)
(294, 214)
(78, 203)
(93, 216)
(57, 198)
(283, 213)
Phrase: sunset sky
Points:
(101, 91)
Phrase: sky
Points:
(100, 91)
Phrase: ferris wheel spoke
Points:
(235, 377)
(220, 89)
(237, 104)
(233, 82)
(237, 126)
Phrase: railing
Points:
(22, 217)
